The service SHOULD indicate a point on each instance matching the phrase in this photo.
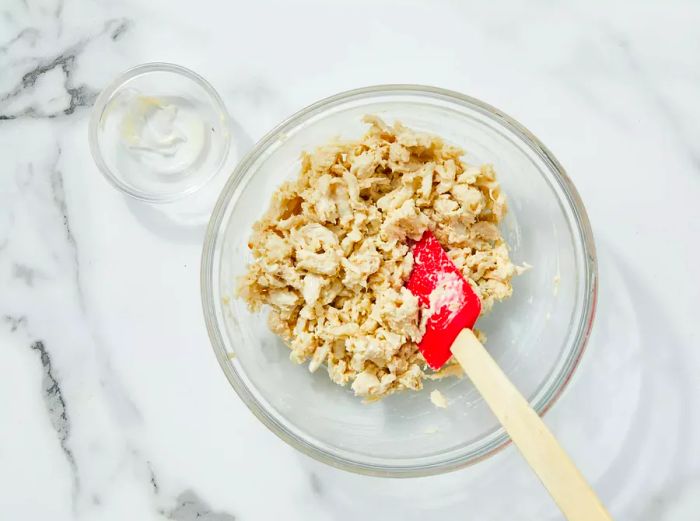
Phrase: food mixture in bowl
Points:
(332, 254)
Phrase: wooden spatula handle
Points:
(540, 448)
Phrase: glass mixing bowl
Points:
(537, 336)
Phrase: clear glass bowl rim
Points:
(573, 356)
(106, 95)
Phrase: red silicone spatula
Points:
(454, 308)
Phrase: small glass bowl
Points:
(537, 336)
(135, 175)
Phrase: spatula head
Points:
(445, 296)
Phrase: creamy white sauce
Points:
(151, 125)
(165, 134)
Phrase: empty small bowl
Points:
(537, 336)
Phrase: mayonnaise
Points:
(164, 134)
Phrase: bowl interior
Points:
(536, 336)
(153, 176)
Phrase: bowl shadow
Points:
(629, 419)
(186, 220)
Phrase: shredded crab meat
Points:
(331, 255)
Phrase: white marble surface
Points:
(112, 405)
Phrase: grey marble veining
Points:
(78, 95)
(57, 412)
(190, 506)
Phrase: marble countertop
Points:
(113, 406)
